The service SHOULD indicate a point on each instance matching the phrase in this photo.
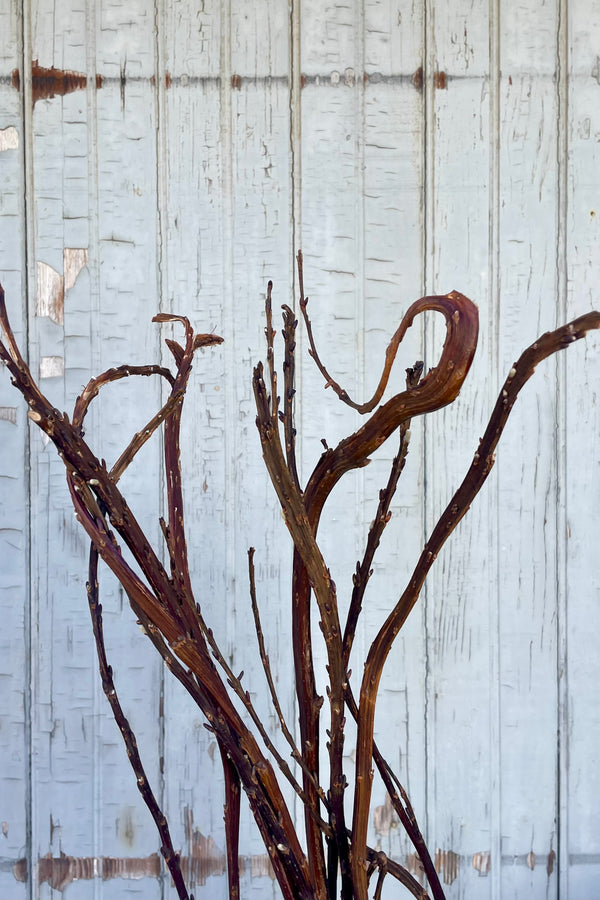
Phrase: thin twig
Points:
(382, 517)
(296, 755)
(235, 682)
(171, 858)
(287, 414)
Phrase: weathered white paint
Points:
(407, 148)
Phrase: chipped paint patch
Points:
(481, 863)
(8, 414)
(207, 860)
(52, 367)
(9, 138)
(74, 260)
(60, 871)
(384, 818)
(446, 864)
(5, 829)
(414, 865)
(51, 285)
(50, 294)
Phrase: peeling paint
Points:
(531, 860)
(446, 863)
(74, 260)
(50, 294)
(440, 81)
(5, 829)
(9, 138)
(8, 414)
(60, 871)
(384, 818)
(208, 860)
(481, 863)
(51, 285)
(260, 866)
(414, 865)
(550, 863)
(52, 366)
(204, 857)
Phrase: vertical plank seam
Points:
(361, 516)
(92, 24)
(295, 169)
(493, 323)
(562, 762)
(28, 255)
(230, 412)
(164, 304)
(428, 139)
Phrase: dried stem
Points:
(167, 603)
(382, 517)
(296, 755)
(170, 856)
(168, 612)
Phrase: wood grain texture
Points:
(407, 148)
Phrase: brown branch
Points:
(523, 369)
(325, 593)
(231, 815)
(264, 657)
(289, 373)
(437, 389)
(168, 608)
(402, 807)
(382, 516)
(170, 856)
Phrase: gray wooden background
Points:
(408, 147)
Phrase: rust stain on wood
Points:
(417, 79)
(440, 81)
(47, 83)
(168, 80)
(236, 82)
(550, 863)
(531, 860)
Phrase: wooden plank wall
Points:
(408, 148)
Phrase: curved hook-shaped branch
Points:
(440, 387)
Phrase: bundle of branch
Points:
(337, 860)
